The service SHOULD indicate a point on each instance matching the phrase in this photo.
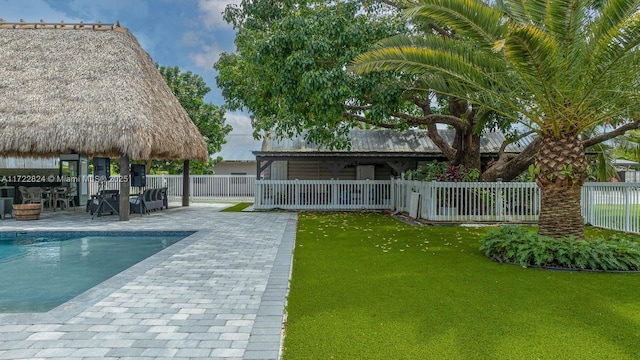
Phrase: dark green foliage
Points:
(443, 171)
(190, 89)
(514, 244)
(291, 68)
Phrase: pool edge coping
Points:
(97, 293)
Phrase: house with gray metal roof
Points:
(374, 154)
(237, 155)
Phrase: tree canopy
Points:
(190, 90)
(289, 69)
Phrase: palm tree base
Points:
(560, 213)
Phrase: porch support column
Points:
(400, 166)
(335, 167)
(260, 169)
(186, 189)
(125, 187)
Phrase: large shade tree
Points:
(560, 68)
(190, 89)
(290, 70)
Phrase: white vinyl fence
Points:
(202, 187)
(437, 201)
(613, 206)
(608, 205)
(469, 201)
(323, 195)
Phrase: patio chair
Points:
(35, 196)
(24, 194)
(66, 198)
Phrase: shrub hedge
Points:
(513, 244)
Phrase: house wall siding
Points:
(235, 167)
(316, 170)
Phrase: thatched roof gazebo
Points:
(88, 88)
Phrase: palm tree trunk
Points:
(560, 214)
(563, 169)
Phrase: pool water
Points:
(41, 271)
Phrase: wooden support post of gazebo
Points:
(186, 189)
(125, 187)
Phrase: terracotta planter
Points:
(27, 211)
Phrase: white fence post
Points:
(392, 193)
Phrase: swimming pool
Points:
(41, 270)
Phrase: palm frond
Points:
(613, 55)
(524, 12)
(566, 20)
(532, 55)
(470, 18)
(611, 14)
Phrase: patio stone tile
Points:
(54, 352)
(46, 335)
(219, 293)
(19, 354)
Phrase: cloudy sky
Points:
(190, 34)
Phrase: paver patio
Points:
(219, 293)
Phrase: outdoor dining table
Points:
(50, 195)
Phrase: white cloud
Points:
(211, 12)
(207, 57)
(240, 122)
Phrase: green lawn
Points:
(617, 210)
(237, 207)
(366, 286)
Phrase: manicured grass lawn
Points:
(616, 210)
(366, 286)
(237, 207)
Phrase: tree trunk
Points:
(560, 214)
(563, 169)
(469, 152)
(507, 167)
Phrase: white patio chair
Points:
(66, 198)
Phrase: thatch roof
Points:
(91, 90)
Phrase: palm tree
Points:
(559, 67)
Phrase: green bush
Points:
(517, 245)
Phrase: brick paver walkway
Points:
(218, 294)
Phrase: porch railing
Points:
(323, 195)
